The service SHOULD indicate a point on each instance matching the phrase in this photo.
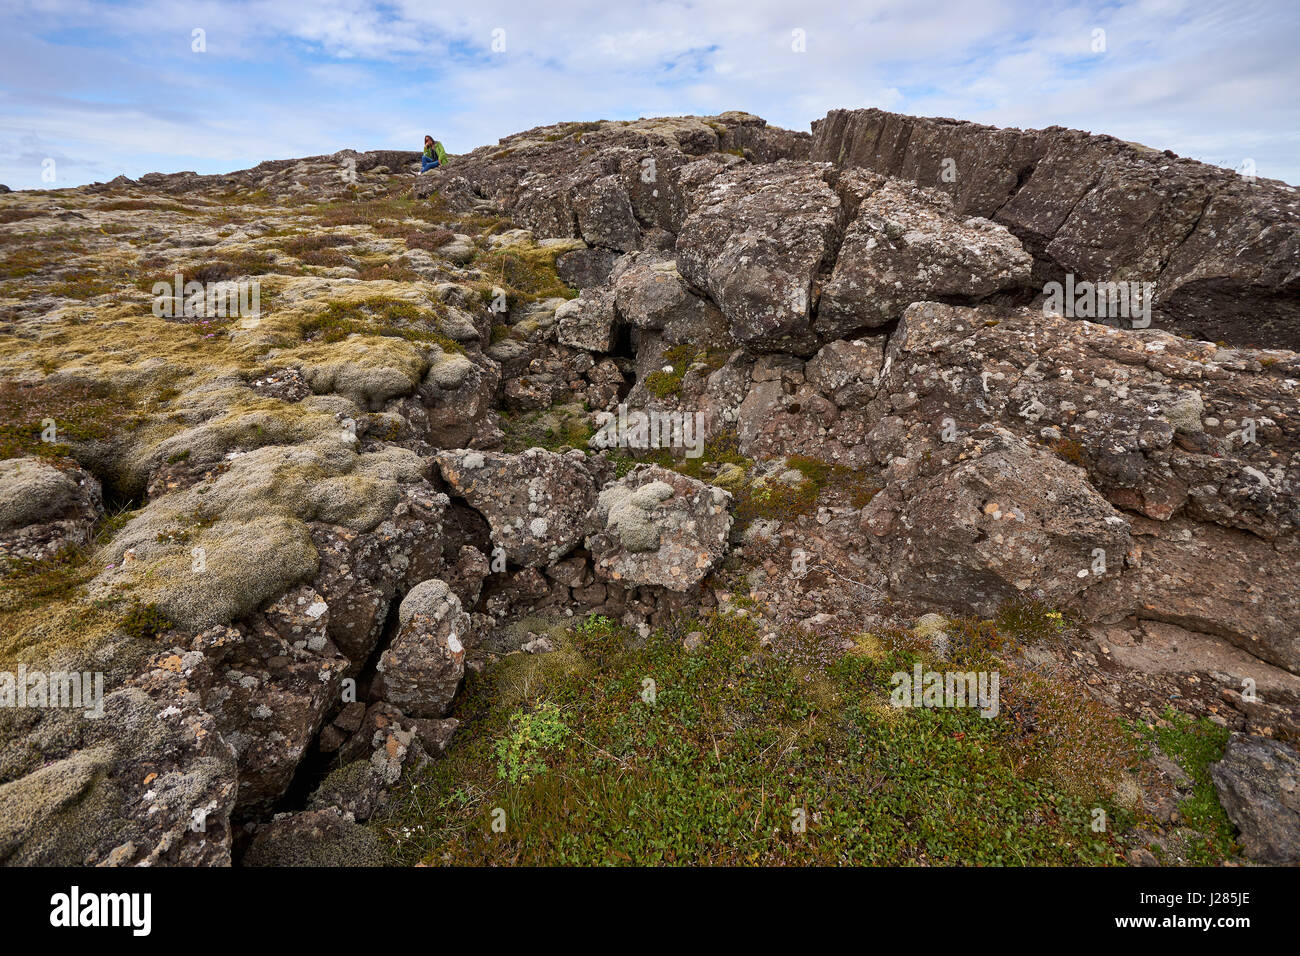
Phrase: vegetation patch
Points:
(554, 428)
(41, 419)
(525, 271)
(1194, 744)
(377, 315)
(645, 753)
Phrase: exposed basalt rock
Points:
(650, 294)
(1220, 249)
(754, 242)
(1156, 423)
(1258, 781)
(905, 245)
(422, 668)
(660, 528)
(536, 502)
(272, 683)
(293, 528)
(610, 183)
(45, 509)
(990, 521)
(587, 322)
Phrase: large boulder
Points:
(754, 241)
(994, 520)
(422, 668)
(1258, 782)
(588, 321)
(535, 502)
(658, 527)
(650, 294)
(45, 508)
(905, 245)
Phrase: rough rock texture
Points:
(536, 502)
(45, 508)
(755, 240)
(322, 516)
(423, 666)
(1258, 782)
(1154, 422)
(1220, 248)
(1003, 520)
(661, 528)
(151, 782)
(587, 322)
(905, 245)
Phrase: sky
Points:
(90, 90)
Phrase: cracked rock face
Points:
(660, 528)
(754, 241)
(536, 502)
(1220, 249)
(1258, 782)
(321, 504)
(1155, 423)
(423, 666)
(991, 521)
(907, 245)
(44, 509)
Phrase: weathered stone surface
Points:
(587, 322)
(272, 684)
(754, 241)
(1220, 249)
(905, 245)
(423, 666)
(150, 782)
(658, 527)
(649, 293)
(1156, 422)
(1004, 520)
(45, 508)
(583, 268)
(536, 502)
(1258, 781)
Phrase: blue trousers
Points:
(427, 164)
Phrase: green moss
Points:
(710, 757)
(78, 413)
(1194, 745)
(555, 428)
(377, 316)
(525, 271)
(144, 621)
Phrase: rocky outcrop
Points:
(1157, 433)
(1220, 248)
(327, 521)
(45, 508)
(657, 527)
(797, 254)
(1258, 782)
(536, 502)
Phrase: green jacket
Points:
(437, 148)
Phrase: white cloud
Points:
(1208, 79)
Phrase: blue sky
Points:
(103, 88)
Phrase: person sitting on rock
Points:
(434, 155)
